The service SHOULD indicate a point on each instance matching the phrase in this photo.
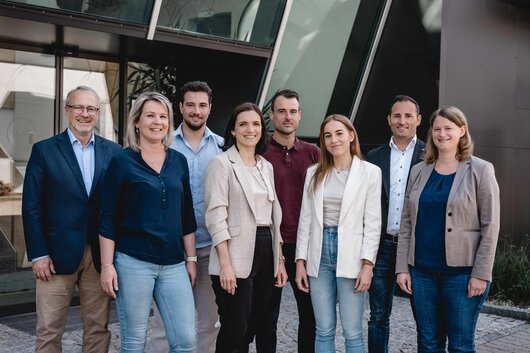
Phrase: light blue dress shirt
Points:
(197, 163)
(85, 156)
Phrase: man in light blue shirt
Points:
(198, 144)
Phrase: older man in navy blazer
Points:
(395, 160)
(60, 209)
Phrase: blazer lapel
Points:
(318, 202)
(65, 146)
(385, 168)
(241, 174)
(460, 172)
(355, 179)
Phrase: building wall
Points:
(485, 71)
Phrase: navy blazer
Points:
(380, 156)
(59, 217)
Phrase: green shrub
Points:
(511, 272)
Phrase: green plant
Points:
(511, 272)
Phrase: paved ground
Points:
(494, 333)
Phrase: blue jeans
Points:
(381, 297)
(325, 289)
(443, 311)
(138, 283)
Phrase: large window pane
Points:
(135, 11)
(311, 54)
(252, 21)
(103, 78)
(27, 96)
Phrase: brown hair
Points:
(465, 145)
(326, 159)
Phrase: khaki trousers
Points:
(53, 301)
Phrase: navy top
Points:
(147, 213)
(430, 227)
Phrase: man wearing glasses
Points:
(60, 208)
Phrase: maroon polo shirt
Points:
(290, 166)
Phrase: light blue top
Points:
(197, 163)
(85, 156)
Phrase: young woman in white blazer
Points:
(338, 234)
(243, 216)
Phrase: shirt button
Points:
(449, 229)
(450, 214)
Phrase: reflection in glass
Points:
(103, 77)
(27, 96)
(135, 11)
(252, 21)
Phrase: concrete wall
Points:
(485, 71)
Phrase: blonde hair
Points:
(133, 137)
(326, 159)
(465, 144)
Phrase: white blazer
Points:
(359, 227)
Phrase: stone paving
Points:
(494, 333)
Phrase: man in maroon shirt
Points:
(290, 158)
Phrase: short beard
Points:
(194, 127)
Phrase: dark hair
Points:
(196, 86)
(326, 159)
(287, 93)
(404, 98)
(230, 140)
(465, 144)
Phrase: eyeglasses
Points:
(78, 109)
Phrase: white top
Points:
(333, 192)
(399, 170)
(263, 205)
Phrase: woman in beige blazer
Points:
(449, 231)
(243, 216)
(338, 234)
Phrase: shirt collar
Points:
(73, 139)
(273, 142)
(411, 144)
(207, 132)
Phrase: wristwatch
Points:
(191, 259)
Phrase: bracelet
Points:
(107, 265)
(368, 262)
(281, 259)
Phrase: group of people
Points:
(206, 230)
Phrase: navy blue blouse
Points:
(146, 213)
(430, 226)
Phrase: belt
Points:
(392, 238)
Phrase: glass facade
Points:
(253, 21)
(134, 11)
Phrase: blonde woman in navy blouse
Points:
(147, 230)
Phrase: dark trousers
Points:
(240, 313)
(381, 297)
(266, 334)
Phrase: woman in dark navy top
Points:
(147, 230)
(449, 231)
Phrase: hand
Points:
(405, 282)
(228, 280)
(281, 278)
(476, 287)
(109, 280)
(191, 267)
(301, 276)
(364, 279)
(43, 269)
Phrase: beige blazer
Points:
(471, 220)
(231, 214)
(359, 227)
